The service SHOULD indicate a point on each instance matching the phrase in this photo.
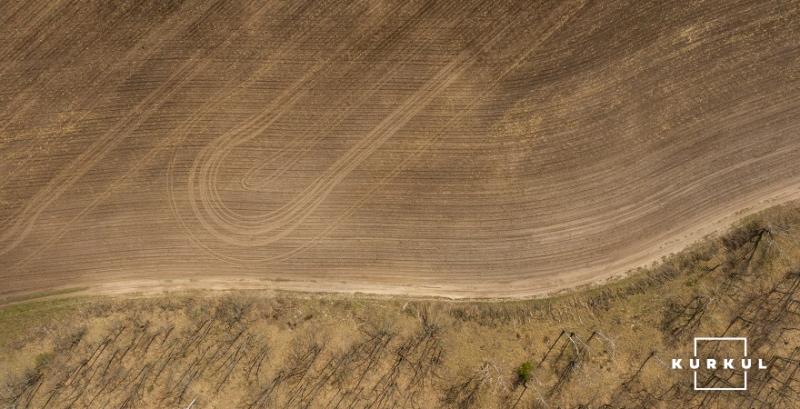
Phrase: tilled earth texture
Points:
(448, 148)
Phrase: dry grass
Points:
(608, 345)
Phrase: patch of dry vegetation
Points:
(608, 346)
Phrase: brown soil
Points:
(606, 348)
(455, 148)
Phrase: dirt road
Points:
(454, 148)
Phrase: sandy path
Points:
(440, 148)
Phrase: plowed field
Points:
(452, 148)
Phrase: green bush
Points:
(525, 372)
(43, 359)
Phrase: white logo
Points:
(744, 363)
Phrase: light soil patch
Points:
(607, 347)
